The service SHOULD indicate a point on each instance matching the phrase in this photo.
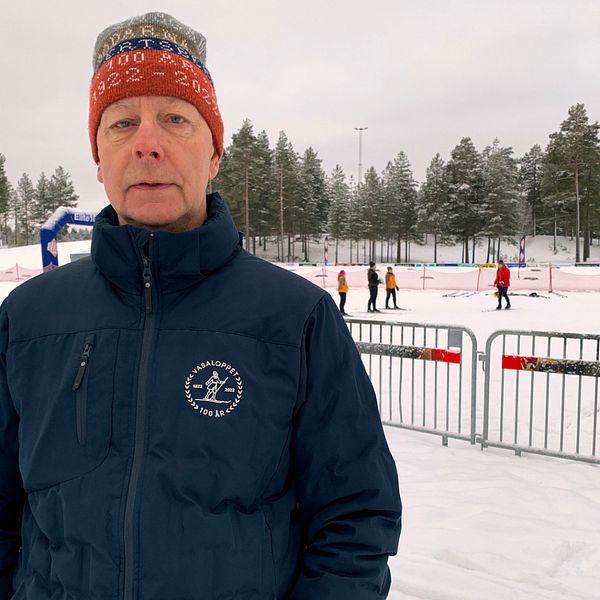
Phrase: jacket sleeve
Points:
(346, 479)
(12, 495)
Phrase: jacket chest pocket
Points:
(62, 387)
(80, 387)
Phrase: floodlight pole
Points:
(359, 180)
(360, 130)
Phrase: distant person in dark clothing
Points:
(374, 281)
(390, 287)
(502, 282)
(342, 290)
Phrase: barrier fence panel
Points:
(541, 393)
(424, 375)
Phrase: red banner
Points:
(448, 356)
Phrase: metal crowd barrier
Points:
(422, 375)
(541, 393)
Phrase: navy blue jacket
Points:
(180, 420)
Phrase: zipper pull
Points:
(147, 285)
(83, 363)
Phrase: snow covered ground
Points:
(491, 525)
(478, 525)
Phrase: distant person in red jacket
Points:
(502, 282)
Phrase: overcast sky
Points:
(420, 74)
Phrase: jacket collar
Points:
(177, 260)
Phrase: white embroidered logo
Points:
(214, 388)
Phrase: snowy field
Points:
(479, 525)
(491, 525)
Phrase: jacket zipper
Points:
(148, 335)
(81, 392)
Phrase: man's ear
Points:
(99, 175)
(213, 167)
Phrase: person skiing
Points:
(502, 282)
(213, 385)
(342, 290)
(390, 287)
(374, 281)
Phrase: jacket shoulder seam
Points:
(70, 332)
(238, 333)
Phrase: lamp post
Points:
(360, 130)
(358, 182)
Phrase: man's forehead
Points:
(126, 103)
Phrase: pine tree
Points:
(500, 206)
(339, 208)
(530, 179)
(571, 153)
(287, 175)
(354, 222)
(312, 209)
(401, 212)
(15, 210)
(370, 200)
(5, 195)
(246, 181)
(61, 191)
(465, 191)
(40, 210)
(25, 201)
(557, 197)
(264, 189)
(432, 202)
(236, 174)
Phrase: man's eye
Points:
(176, 119)
(123, 124)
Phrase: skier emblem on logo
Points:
(213, 385)
(214, 382)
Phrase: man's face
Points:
(156, 158)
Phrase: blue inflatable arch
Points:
(62, 216)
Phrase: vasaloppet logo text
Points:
(214, 388)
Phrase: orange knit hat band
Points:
(152, 55)
(153, 73)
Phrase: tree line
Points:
(283, 198)
(280, 196)
(25, 207)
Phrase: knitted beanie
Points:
(152, 55)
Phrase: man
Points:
(390, 287)
(502, 282)
(121, 476)
(373, 281)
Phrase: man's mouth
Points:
(151, 185)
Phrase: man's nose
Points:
(147, 142)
